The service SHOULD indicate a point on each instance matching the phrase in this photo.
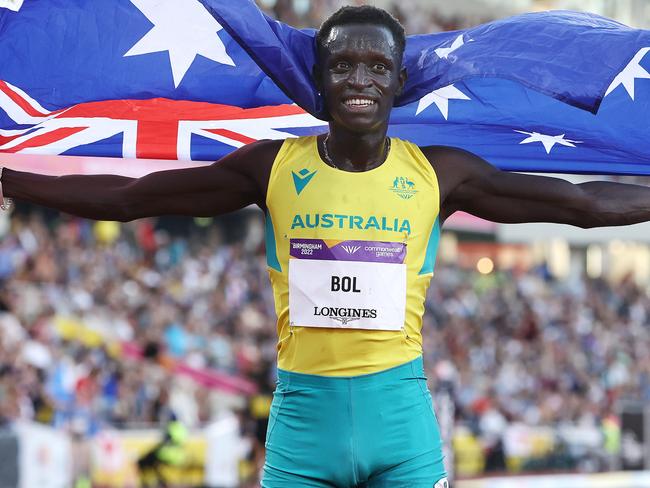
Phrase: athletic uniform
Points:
(350, 256)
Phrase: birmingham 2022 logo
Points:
(403, 187)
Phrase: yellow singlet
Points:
(350, 257)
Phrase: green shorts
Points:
(371, 431)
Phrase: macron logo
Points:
(301, 178)
(351, 249)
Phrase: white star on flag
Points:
(441, 98)
(11, 4)
(546, 140)
(444, 52)
(631, 72)
(185, 29)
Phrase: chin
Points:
(360, 124)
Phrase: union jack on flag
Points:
(195, 79)
(118, 87)
(158, 128)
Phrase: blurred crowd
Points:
(509, 348)
(521, 347)
(540, 351)
(526, 350)
(75, 292)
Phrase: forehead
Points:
(360, 38)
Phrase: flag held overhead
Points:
(195, 79)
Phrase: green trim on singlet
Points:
(432, 249)
(271, 249)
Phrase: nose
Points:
(358, 77)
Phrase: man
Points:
(352, 221)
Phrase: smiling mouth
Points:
(356, 103)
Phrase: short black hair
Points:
(364, 14)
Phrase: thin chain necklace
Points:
(328, 158)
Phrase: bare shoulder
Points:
(255, 156)
(253, 160)
(450, 158)
(453, 166)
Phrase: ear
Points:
(402, 82)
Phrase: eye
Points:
(380, 67)
(341, 65)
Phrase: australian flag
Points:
(195, 79)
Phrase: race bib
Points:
(347, 284)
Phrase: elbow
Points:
(599, 216)
(588, 224)
(127, 212)
(592, 220)
(604, 204)
(587, 219)
(125, 218)
(587, 214)
(126, 208)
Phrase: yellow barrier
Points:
(469, 458)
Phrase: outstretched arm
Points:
(235, 181)
(470, 184)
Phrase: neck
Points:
(350, 151)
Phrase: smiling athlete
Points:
(352, 226)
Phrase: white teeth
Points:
(359, 102)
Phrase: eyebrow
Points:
(373, 54)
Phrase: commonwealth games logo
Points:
(351, 249)
(403, 187)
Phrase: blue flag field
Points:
(191, 80)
